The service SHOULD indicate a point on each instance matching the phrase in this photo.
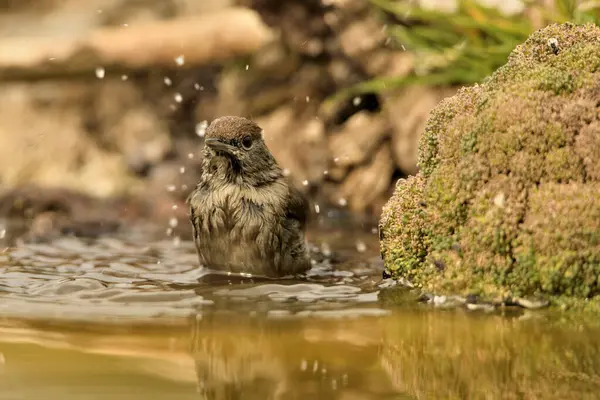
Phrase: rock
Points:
(389, 63)
(33, 115)
(357, 139)
(408, 112)
(123, 118)
(361, 37)
(507, 200)
(298, 144)
(349, 6)
(365, 183)
(531, 303)
(39, 214)
(191, 41)
(301, 23)
(108, 131)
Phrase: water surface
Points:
(134, 317)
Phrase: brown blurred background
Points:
(103, 102)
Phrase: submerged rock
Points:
(507, 201)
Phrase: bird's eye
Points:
(247, 142)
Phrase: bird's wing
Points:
(298, 207)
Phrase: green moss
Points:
(561, 234)
(507, 202)
(556, 80)
(407, 247)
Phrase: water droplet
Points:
(182, 170)
(374, 230)
(286, 172)
(247, 67)
(356, 101)
(342, 202)
(361, 247)
(335, 160)
(317, 208)
(100, 72)
(125, 25)
(326, 249)
(196, 86)
(190, 155)
(168, 81)
(178, 97)
(2, 233)
(124, 77)
(305, 182)
(180, 60)
(201, 128)
(184, 187)
(174, 207)
(325, 172)
(173, 222)
(176, 241)
(403, 48)
(303, 365)
(307, 99)
(345, 379)
(169, 231)
(171, 188)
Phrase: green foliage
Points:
(466, 46)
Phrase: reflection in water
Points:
(299, 358)
(419, 354)
(454, 355)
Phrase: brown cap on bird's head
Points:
(239, 141)
(233, 128)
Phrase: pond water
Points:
(133, 317)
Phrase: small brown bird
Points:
(244, 214)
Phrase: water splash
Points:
(100, 72)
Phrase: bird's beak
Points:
(218, 145)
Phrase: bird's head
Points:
(235, 150)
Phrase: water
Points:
(133, 317)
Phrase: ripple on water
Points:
(111, 278)
(302, 292)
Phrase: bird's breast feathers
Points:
(230, 205)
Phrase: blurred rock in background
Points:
(110, 98)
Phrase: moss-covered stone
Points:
(507, 202)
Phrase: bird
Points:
(246, 216)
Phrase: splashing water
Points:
(100, 72)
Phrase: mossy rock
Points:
(507, 200)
